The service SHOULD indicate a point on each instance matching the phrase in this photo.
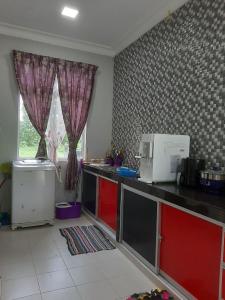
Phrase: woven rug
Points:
(85, 239)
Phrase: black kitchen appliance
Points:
(190, 171)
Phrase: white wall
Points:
(99, 125)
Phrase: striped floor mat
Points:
(85, 239)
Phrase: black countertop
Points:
(211, 206)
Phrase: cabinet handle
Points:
(160, 238)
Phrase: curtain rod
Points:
(56, 58)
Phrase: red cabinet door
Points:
(224, 249)
(223, 286)
(191, 252)
(107, 205)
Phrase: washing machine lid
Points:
(33, 164)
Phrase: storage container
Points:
(67, 210)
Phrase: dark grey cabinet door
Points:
(89, 186)
(139, 228)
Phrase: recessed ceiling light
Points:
(69, 12)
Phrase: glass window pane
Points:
(56, 132)
(63, 149)
(28, 136)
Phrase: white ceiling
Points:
(103, 26)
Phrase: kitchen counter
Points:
(195, 200)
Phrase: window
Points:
(29, 138)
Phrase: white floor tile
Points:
(87, 274)
(14, 258)
(143, 282)
(104, 275)
(49, 265)
(18, 288)
(45, 251)
(33, 297)
(61, 244)
(97, 291)
(73, 261)
(39, 242)
(116, 266)
(108, 254)
(128, 285)
(63, 294)
(41, 233)
(15, 243)
(55, 281)
(73, 222)
(17, 235)
(18, 270)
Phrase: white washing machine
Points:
(33, 193)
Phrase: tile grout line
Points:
(55, 244)
(67, 267)
(106, 279)
(34, 266)
(54, 237)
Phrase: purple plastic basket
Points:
(71, 212)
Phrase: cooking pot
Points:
(213, 181)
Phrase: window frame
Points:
(80, 156)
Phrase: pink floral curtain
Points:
(76, 81)
(35, 75)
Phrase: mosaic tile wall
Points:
(172, 80)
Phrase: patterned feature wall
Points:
(172, 80)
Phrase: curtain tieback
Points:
(42, 139)
(72, 145)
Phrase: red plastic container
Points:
(71, 212)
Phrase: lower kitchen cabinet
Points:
(224, 248)
(139, 224)
(89, 187)
(107, 202)
(223, 285)
(191, 252)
